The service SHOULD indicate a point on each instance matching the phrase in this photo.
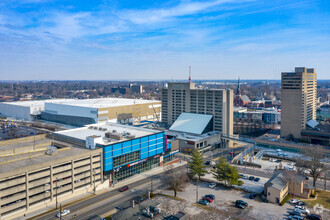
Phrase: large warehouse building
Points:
(79, 112)
(127, 150)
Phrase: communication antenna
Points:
(189, 74)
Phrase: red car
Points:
(207, 199)
(124, 189)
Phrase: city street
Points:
(102, 203)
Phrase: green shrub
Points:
(286, 198)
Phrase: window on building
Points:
(126, 158)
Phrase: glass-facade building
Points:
(127, 150)
(128, 158)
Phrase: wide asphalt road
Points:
(122, 197)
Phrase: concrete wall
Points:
(15, 111)
(70, 110)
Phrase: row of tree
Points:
(223, 171)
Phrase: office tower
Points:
(298, 91)
(185, 97)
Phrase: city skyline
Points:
(113, 40)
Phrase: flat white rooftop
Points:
(93, 103)
(105, 102)
(87, 131)
(34, 103)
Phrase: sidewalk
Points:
(104, 188)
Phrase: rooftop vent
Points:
(51, 150)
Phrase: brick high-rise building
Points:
(298, 91)
(185, 97)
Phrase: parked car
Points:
(295, 213)
(208, 199)
(203, 202)
(296, 217)
(314, 217)
(124, 188)
(211, 196)
(301, 209)
(294, 201)
(252, 196)
(257, 179)
(301, 203)
(240, 175)
(118, 208)
(251, 178)
(207, 162)
(245, 177)
(241, 202)
(212, 185)
(63, 213)
(240, 206)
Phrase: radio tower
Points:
(189, 74)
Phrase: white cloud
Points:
(158, 15)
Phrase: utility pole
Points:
(60, 211)
(56, 192)
(197, 190)
(94, 181)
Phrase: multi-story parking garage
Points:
(33, 179)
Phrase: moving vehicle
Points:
(63, 213)
(212, 185)
(124, 188)
(203, 202)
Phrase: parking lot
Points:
(225, 203)
(9, 131)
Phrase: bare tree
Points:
(175, 180)
(313, 162)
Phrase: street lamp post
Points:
(56, 192)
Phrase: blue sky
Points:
(112, 40)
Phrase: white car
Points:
(272, 160)
(301, 209)
(294, 201)
(245, 177)
(212, 185)
(65, 212)
(291, 164)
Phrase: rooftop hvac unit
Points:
(107, 134)
(115, 136)
(130, 136)
(51, 150)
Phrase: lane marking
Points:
(103, 200)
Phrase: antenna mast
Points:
(189, 74)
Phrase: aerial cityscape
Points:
(169, 110)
